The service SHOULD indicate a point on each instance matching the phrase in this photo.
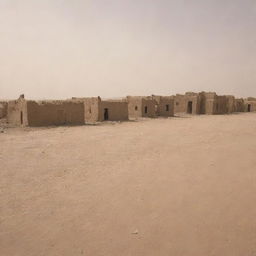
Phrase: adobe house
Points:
(250, 105)
(164, 105)
(23, 112)
(98, 110)
(204, 103)
(3, 109)
(239, 105)
(113, 110)
(188, 103)
(140, 106)
(213, 104)
(230, 104)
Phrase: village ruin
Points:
(80, 111)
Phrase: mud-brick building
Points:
(213, 104)
(239, 105)
(23, 112)
(3, 109)
(164, 105)
(230, 104)
(141, 106)
(98, 110)
(250, 105)
(188, 103)
(204, 103)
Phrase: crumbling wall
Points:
(117, 110)
(148, 107)
(3, 109)
(17, 112)
(165, 106)
(239, 105)
(140, 106)
(91, 108)
(48, 113)
(249, 105)
(134, 106)
(221, 105)
(230, 104)
(182, 103)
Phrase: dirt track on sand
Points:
(179, 186)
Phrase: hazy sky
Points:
(112, 48)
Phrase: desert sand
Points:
(176, 186)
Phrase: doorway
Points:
(105, 114)
(249, 108)
(21, 117)
(146, 110)
(190, 107)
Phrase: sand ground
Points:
(179, 186)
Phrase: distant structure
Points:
(79, 111)
(3, 109)
(98, 110)
(140, 106)
(207, 103)
(164, 105)
(250, 104)
(45, 113)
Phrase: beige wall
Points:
(165, 101)
(91, 109)
(3, 109)
(181, 103)
(221, 105)
(252, 105)
(138, 105)
(17, 112)
(149, 104)
(47, 113)
(231, 104)
(134, 107)
(117, 110)
(239, 105)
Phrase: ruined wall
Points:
(239, 105)
(117, 110)
(230, 104)
(17, 112)
(3, 109)
(249, 105)
(91, 108)
(134, 107)
(165, 106)
(148, 107)
(221, 105)
(182, 102)
(209, 102)
(47, 113)
(139, 106)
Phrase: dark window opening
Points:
(21, 117)
(190, 107)
(90, 110)
(146, 110)
(249, 108)
(177, 103)
(105, 113)
(136, 108)
(167, 107)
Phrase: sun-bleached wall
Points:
(47, 113)
(17, 112)
(3, 109)
(117, 110)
